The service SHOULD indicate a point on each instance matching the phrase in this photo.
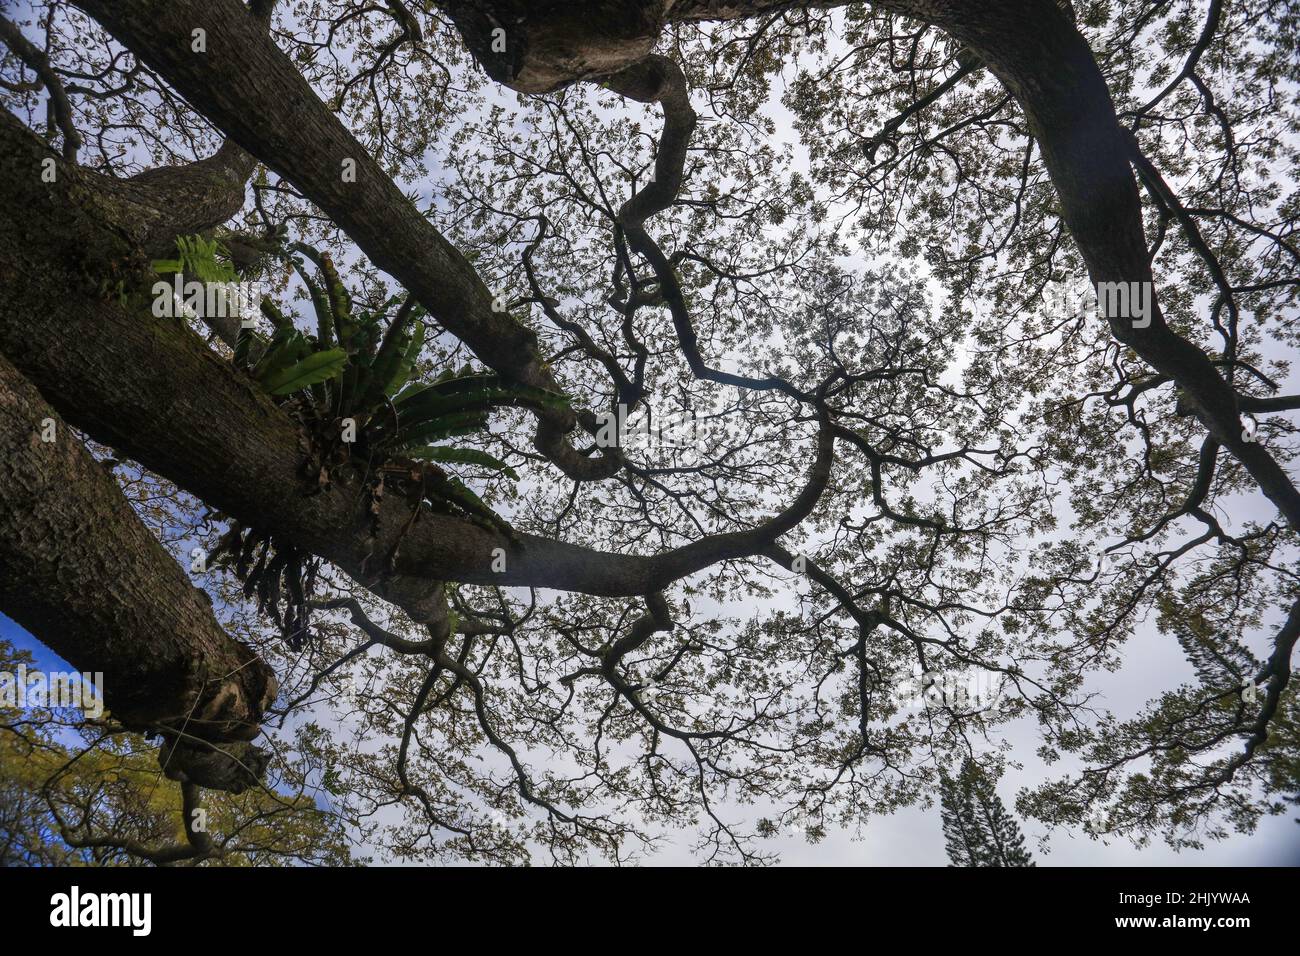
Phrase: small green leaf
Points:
(421, 432)
(286, 347)
(407, 362)
(466, 456)
(317, 367)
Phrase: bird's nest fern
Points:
(350, 387)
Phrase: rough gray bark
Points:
(80, 571)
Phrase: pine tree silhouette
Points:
(977, 828)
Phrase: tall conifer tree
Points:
(977, 828)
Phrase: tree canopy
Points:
(519, 430)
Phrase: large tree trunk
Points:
(80, 571)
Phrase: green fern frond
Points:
(203, 259)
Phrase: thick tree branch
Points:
(148, 387)
(79, 570)
(250, 89)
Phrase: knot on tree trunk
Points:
(232, 767)
(535, 46)
(211, 746)
(230, 706)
